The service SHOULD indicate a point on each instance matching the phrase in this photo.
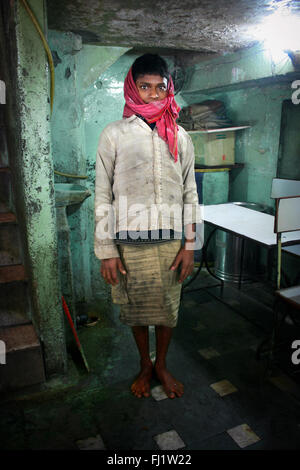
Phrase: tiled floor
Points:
(229, 401)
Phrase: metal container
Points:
(228, 252)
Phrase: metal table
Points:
(245, 223)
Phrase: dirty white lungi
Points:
(149, 294)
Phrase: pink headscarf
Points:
(163, 112)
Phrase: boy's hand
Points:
(109, 270)
(186, 259)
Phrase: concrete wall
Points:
(238, 69)
(86, 99)
(32, 168)
(103, 103)
(252, 88)
(88, 96)
(257, 147)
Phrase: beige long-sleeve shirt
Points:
(138, 184)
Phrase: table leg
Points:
(204, 261)
(241, 263)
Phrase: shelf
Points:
(220, 129)
(203, 168)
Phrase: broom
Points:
(66, 310)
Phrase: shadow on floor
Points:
(230, 400)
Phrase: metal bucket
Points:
(228, 252)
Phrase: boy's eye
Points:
(160, 87)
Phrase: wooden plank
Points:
(12, 273)
(7, 217)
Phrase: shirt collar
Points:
(131, 118)
(139, 121)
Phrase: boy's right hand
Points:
(109, 270)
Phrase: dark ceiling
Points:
(207, 27)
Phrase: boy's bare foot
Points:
(171, 386)
(141, 385)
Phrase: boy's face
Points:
(151, 87)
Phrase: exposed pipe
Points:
(47, 49)
(70, 175)
(52, 75)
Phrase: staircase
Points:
(24, 360)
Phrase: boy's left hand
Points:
(185, 258)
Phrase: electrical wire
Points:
(69, 175)
(47, 49)
(52, 75)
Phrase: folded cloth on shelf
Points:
(209, 114)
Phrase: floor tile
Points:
(91, 443)
(243, 435)
(224, 387)
(208, 353)
(233, 302)
(169, 440)
(199, 327)
(220, 441)
(152, 355)
(204, 419)
(158, 393)
(283, 382)
(189, 303)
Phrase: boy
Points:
(144, 178)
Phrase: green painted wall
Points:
(103, 103)
(289, 147)
(252, 88)
(237, 69)
(33, 170)
(89, 95)
(257, 147)
(75, 131)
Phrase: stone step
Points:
(12, 273)
(10, 245)
(13, 318)
(3, 145)
(5, 191)
(21, 358)
(7, 218)
(14, 304)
